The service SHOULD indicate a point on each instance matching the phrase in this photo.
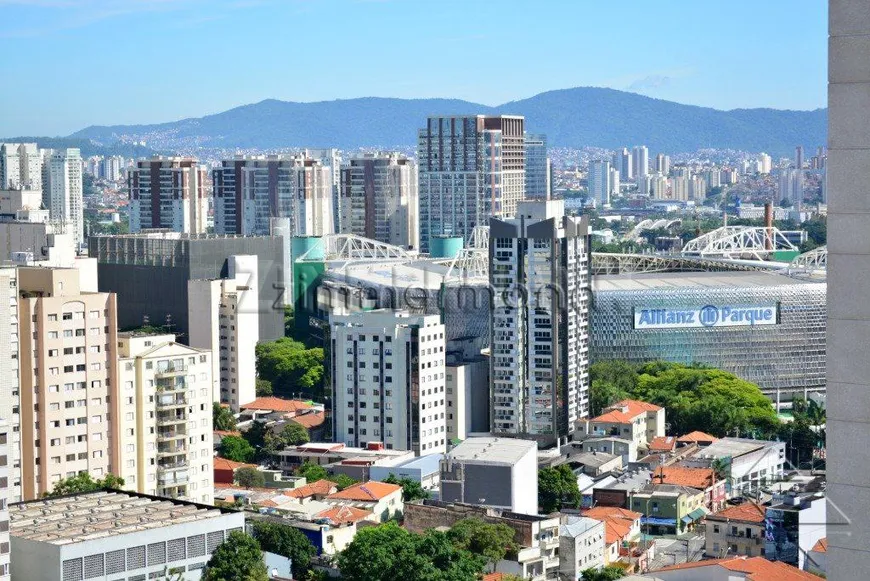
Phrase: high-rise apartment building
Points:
(538, 171)
(162, 428)
(640, 162)
(168, 193)
(654, 185)
(679, 188)
(224, 319)
(331, 158)
(20, 166)
(251, 190)
(388, 385)
(5, 456)
(68, 371)
(791, 185)
(9, 389)
(766, 163)
(848, 325)
(62, 190)
(379, 199)
(622, 162)
(799, 157)
(471, 168)
(600, 182)
(697, 189)
(539, 369)
(663, 164)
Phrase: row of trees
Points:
(84, 482)
(389, 552)
(291, 368)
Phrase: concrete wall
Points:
(848, 368)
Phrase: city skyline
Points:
(784, 70)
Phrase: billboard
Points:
(706, 316)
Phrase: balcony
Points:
(171, 370)
(166, 450)
(171, 419)
(173, 478)
(171, 400)
(171, 434)
(172, 463)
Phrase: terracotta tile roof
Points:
(493, 577)
(370, 491)
(633, 408)
(700, 478)
(746, 512)
(821, 546)
(695, 437)
(615, 530)
(662, 444)
(276, 404)
(309, 421)
(344, 514)
(224, 464)
(756, 569)
(318, 487)
(608, 512)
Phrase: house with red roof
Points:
(736, 530)
(381, 499)
(621, 528)
(317, 490)
(696, 437)
(703, 479)
(733, 569)
(225, 470)
(637, 421)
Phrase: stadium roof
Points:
(678, 280)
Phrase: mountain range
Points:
(578, 117)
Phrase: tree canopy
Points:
(389, 552)
(291, 367)
(288, 542)
(222, 418)
(239, 558)
(411, 489)
(696, 397)
(236, 449)
(491, 541)
(84, 482)
(249, 477)
(609, 573)
(311, 471)
(557, 489)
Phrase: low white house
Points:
(581, 546)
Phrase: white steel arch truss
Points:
(352, 248)
(812, 264)
(738, 242)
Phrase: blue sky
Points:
(68, 64)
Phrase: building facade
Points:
(224, 320)
(600, 182)
(10, 399)
(62, 189)
(640, 161)
(164, 427)
(68, 367)
(20, 166)
(168, 193)
(130, 265)
(5, 463)
(379, 199)
(251, 190)
(623, 163)
(539, 365)
(538, 170)
(387, 374)
(629, 322)
(471, 168)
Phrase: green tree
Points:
(411, 489)
(389, 552)
(557, 489)
(287, 542)
(222, 418)
(491, 541)
(248, 477)
(239, 558)
(83, 482)
(342, 481)
(291, 367)
(609, 573)
(263, 388)
(312, 472)
(293, 434)
(236, 449)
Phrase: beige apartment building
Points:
(67, 372)
(164, 428)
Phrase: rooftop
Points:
(318, 487)
(755, 568)
(696, 437)
(309, 421)
(746, 512)
(821, 546)
(94, 515)
(733, 447)
(224, 464)
(371, 491)
(493, 450)
(700, 478)
(685, 280)
(625, 411)
(593, 459)
(276, 404)
(577, 525)
(338, 515)
(662, 444)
